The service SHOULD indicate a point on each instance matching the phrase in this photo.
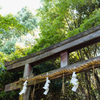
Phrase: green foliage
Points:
(12, 29)
(15, 55)
(26, 18)
(58, 20)
(9, 46)
(48, 37)
(9, 22)
(9, 96)
(5, 78)
(93, 20)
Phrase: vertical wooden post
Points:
(27, 71)
(64, 62)
(64, 59)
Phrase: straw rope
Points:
(63, 84)
(68, 71)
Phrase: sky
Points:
(13, 6)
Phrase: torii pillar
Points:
(27, 71)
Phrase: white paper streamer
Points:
(24, 88)
(75, 88)
(74, 81)
(46, 86)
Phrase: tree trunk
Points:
(89, 87)
(97, 82)
(82, 88)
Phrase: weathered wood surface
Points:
(64, 59)
(14, 86)
(76, 42)
(27, 71)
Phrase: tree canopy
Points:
(58, 20)
(9, 22)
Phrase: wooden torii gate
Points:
(61, 49)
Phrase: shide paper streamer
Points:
(74, 81)
(24, 88)
(46, 86)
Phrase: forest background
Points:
(56, 21)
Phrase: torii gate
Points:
(61, 49)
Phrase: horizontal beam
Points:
(76, 42)
(16, 85)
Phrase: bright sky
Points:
(13, 6)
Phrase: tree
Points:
(9, 25)
(26, 18)
(59, 20)
(9, 22)
(8, 47)
(9, 37)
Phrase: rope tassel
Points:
(63, 85)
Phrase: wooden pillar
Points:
(63, 63)
(27, 71)
(64, 59)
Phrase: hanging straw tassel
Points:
(94, 73)
(63, 85)
(32, 95)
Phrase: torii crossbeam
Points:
(61, 49)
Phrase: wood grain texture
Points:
(14, 86)
(27, 71)
(64, 59)
(76, 42)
